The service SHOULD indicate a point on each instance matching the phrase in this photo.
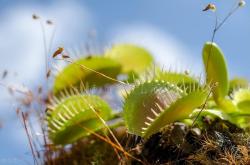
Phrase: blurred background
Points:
(174, 31)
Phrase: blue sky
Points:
(173, 30)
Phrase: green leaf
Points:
(75, 73)
(226, 105)
(210, 112)
(237, 83)
(242, 100)
(67, 118)
(216, 70)
(240, 119)
(131, 57)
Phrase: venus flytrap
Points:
(237, 83)
(177, 111)
(145, 102)
(98, 71)
(70, 109)
(134, 60)
(66, 116)
(74, 74)
(151, 105)
(154, 104)
(241, 98)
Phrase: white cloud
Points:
(168, 51)
(22, 52)
(21, 43)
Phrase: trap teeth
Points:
(68, 110)
(152, 97)
(51, 130)
(160, 108)
(62, 118)
(67, 115)
(156, 114)
(150, 119)
(55, 125)
(58, 122)
(74, 109)
(50, 107)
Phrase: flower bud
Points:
(242, 3)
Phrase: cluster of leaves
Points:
(73, 109)
(150, 102)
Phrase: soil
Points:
(220, 143)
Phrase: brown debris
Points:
(5, 73)
(35, 17)
(48, 73)
(49, 22)
(57, 52)
(210, 6)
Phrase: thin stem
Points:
(212, 40)
(202, 108)
(15, 89)
(45, 47)
(227, 17)
(29, 138)
(92, 70)
(112, 144)
(217, 27)
(52, 39)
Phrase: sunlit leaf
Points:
(242, 99)
(132, 58)
(226, 105)
(216, 70)
(75, 73)
(237, 83)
